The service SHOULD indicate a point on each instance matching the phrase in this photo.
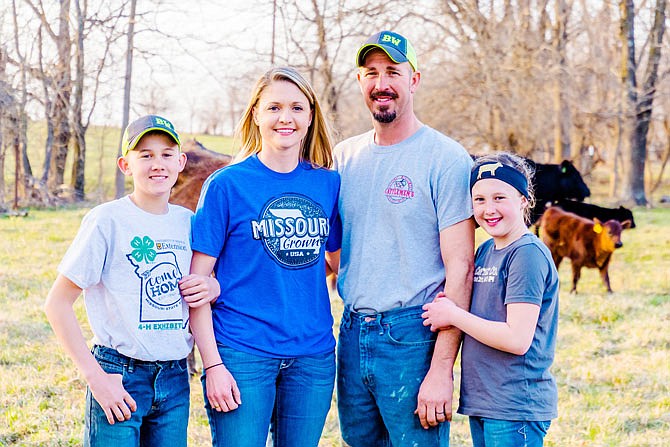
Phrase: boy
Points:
(128, 258)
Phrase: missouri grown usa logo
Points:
(292, 229)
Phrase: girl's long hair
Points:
(316, 146)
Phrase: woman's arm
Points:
(222, 391)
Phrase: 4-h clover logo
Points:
(144, 249)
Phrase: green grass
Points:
(612, 362)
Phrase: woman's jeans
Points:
(290, 396)
(382, 361)
(500, 433)
(161, 391)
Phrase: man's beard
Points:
(384, 116)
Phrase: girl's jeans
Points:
(290, 396)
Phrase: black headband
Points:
(499, 171)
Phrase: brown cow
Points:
(200, 164)
(588, 243)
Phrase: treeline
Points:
(548, 79)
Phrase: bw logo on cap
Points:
(393, 44)
(141, 126)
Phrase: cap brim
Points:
(135, 140)
(395, 55)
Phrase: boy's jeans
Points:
(291, 396)
(161, 391)
(382, 361)
(501, 433)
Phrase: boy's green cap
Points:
(141, 126)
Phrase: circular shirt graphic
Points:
(292, 228)
(399, 189)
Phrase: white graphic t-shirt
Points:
(129, 263)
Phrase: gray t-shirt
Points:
(394, 201)
(501, 385)
(129, 262)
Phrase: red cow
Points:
(588, 243)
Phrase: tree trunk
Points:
(562, 117)
(77, 179)
(62, 84)
(643, 109)
(629, 100)
(23, 174)
(48, 112)
(120, 178)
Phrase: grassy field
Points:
(612, 362)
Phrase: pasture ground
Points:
(612, 362)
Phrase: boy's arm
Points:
(106, 388)
(198, 290)
(222, 391)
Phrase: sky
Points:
(212, 43)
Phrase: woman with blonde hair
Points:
(263, 225)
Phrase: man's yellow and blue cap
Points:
(141, 126)
(393, 44)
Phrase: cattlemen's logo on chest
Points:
(292, 228)
(400, 189)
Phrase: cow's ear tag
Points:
(597, 228)
(563, 170)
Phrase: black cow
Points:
(554, 182)
(590, 211)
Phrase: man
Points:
(407, 235)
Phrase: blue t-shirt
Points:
(501, 385)
(268, 231)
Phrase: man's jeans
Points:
(161, 391)
(499, 433)
(382, 361)
(290, 396)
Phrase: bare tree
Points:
(79, 128)
(61, 81)
(23, 174)
(6, 104)
(120, 179)
(638, 108)
(563, 121)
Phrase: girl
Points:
(263, 224)
(510, 332)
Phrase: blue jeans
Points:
(382, 361)
(488, 432)
(291, 397)
(161, 391)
